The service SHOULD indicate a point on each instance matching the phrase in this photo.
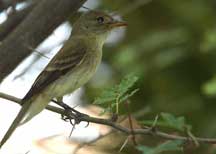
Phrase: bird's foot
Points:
(70, 113)
(73, 114)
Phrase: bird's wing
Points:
(70, 56)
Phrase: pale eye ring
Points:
(100, 20)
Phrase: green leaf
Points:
(169, 121)
(126, 84)
(145, 149)
(125, 97)
(108, 95)
(118, 93)
(151, 122)
(209, 88)
(174, 145)
(174, 122)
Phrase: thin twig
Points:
(107, 122)
(124, 144)
(130, 123)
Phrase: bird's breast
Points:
(77, 77)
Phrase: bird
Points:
(74, 65)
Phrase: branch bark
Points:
(13, 20)
(4, 4)
(42, 20)
(145, 131)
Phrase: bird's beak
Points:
(117, 24)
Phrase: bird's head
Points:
(96, 23)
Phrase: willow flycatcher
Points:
(70, 68)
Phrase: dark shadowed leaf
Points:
(166, 146)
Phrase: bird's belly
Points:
(73, 80)
(70, 83)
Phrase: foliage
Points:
(174, 122)
(209, 88)
(166, 146)
(170, 45)
(119, 93)
(169, 121)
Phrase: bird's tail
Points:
(17, 121)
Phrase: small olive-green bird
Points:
(70, 68)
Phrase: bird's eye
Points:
(100, 20)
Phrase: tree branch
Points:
(107, 122)
(13, 20)
(41, 21)
(5, 4)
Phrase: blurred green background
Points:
(171, 46)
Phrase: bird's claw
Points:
(74, 114)
(71, 114)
